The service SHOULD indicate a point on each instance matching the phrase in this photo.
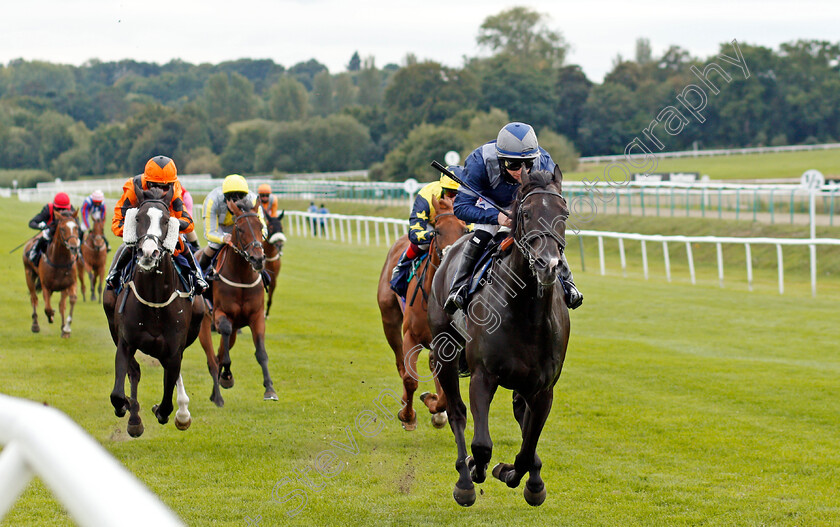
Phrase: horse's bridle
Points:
(157, 239)
(74, 249)
(257, 240)
(524, 244)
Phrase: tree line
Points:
(255, 116)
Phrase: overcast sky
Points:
(291, 31)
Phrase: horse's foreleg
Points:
(48, 310)
(532, 421)
(182, 415)
(71, 293)
(225, 329)
(464, 492)
(258, 332)
(482, 389)
(135, 424)
(206, 340)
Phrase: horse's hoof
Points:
(409, 427)
(226, 383)
(65, 334)
(182, 426)
(135, 430)
(270, 396)
(423, 396)
(535, 499)
(501, 471)
(120, 412)
(439, 420)
(36, 328)
(217, 400)
(161, 419)
(474, 475)
(464, 497)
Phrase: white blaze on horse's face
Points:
(73, 231)
(149, 248)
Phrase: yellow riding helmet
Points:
(234, 183)
(448, 183)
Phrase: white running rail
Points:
(90, 484)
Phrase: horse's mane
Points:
(244, 204)
(538, 179)
(154, 193)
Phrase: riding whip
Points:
(437, 166)
(21, 245)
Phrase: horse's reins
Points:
(243, 252)
(524, 245)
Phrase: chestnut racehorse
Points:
(238, 300)
(93, 260)
(408, 332)
(273, 249)
(56, 271)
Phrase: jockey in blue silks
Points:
(495, 170)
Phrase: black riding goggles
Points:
(516, 164)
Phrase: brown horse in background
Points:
(93, 260)
(56, 271)
(408, 332)
(238, 300)
(273, 249)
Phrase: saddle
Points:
(498, 248)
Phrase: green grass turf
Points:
(748, 166)
(678, 405)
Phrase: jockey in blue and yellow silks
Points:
(421, 227)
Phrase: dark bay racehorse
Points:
(56, 271)
(408, 332)
(273, 249)
(152, 312)
(238, 300)
(515, 333)
(93, 260)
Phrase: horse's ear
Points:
(435, 202)
(283, 213)
(168, 196)
(234, 207)
(526, 177)
(76, 213)
(256, 206)
(557, 177)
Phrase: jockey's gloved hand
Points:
(46, 234)
(42, 225)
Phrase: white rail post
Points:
(690, 262)
(781, 269)
(14, 476)
(367, 232)
(623, 258)
(359, 231)
(720, 262)
(341, 229)
(387, 235)
(644, 259)
(376, 232)
(749, 266)
(601, 254)
(667, 261)
(813, 250)
(332, 227)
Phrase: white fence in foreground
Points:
(369, 230)
(91, 485)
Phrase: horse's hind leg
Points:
(435, 402)
(532, 420)
(118, 400)
(171, 374)
(33, 299)
(482, 389)
(135, 424)
(464, 492)
(206, 340)
(258, 333)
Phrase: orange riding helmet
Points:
(160, 169)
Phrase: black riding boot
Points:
(197, 276)
(37, 249)
(574, 298)
(460, 287)
(121, 259)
